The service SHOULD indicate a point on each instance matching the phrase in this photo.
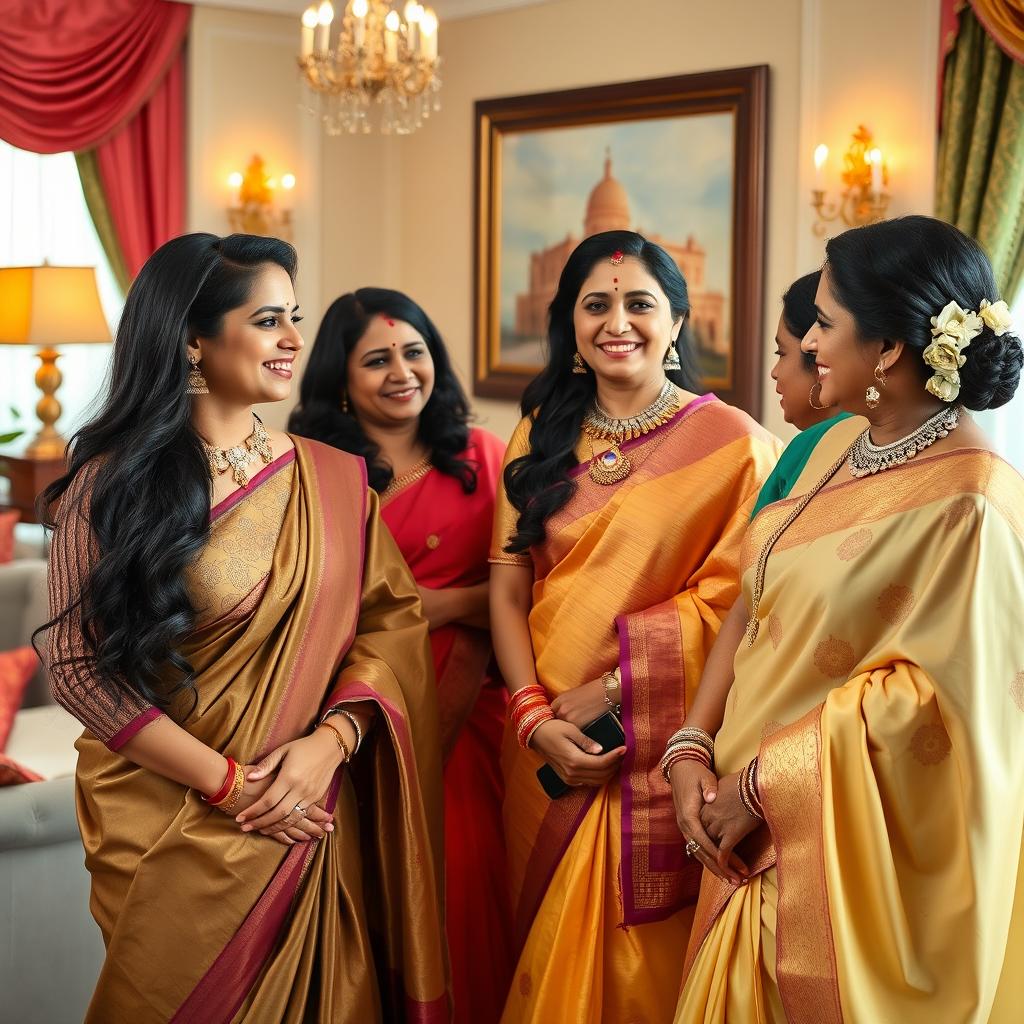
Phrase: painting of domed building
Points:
(608, 209)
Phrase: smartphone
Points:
(606, 730)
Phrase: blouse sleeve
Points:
(505, 515)
(70, 659)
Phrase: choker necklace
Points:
(866, 458)
(238, 458)
(611, 466)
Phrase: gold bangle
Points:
(336, 733)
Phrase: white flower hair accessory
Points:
(953, 330)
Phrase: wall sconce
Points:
(865, 177)
(256, 212)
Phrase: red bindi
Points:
(615, 280)
(391, 323)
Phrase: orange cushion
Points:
(7, 521)
(17, 667)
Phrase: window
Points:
(43, 216)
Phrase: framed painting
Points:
(681, 160)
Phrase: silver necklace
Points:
(866, 458)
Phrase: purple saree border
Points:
(626, 446)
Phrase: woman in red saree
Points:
(380, 384)
(265, 658)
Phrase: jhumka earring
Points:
(196, 383)
(873, 397)
(578, 366)
(671, 360)
(816, 386)
(344, 403)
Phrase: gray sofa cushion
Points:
(24, 607)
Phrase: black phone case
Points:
(606, 730)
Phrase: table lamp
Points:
(50, 306)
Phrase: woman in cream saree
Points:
(876, 711)
(302, 605)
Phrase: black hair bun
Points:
(989, 377)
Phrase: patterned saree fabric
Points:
(304, 603)
(444, 534)
(637, 574)
(884, 695)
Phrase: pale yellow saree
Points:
(884, 695)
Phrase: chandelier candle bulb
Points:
(428, 35)
(391, 26)
(360, 8)
(323, 35)
(309, 22)
(875, 156)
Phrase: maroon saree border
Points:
(133, 728)
(243, 492)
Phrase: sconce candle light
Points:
(256, 212)
(865, 177)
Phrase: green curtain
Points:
(96, 201)
(980, 184)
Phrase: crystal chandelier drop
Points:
(378, 59)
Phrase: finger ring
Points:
(692, 846)
(300, 809)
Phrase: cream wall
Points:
(398, 211)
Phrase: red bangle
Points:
(228, 783)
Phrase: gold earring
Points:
(196, 383)
(810, 397)
(344, 403)
(671, 360)
(578, 366)
(873, 397)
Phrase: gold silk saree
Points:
(305, 604)
(639, 574)
(884, 695)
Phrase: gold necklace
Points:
(240, 456)
(611, 466)
(398, 483)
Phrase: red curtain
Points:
(105, 75)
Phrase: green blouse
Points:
(792, 463)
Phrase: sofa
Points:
(50, 947)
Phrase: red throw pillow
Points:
(12, 773)
(17, 667)
(7, 521)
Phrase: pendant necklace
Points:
(239, 457)
(611, 466)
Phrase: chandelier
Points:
(381, 66)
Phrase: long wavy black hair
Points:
(538, 483)
(149, 486)
(444, 423)
(894, 276)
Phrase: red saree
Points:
(444, 535)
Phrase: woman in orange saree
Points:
(380, 384)
(871, 755)
(297, 646)
(633, 572)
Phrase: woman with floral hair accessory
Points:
(876, 787)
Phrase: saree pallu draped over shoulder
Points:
(637, 575)
(884, 695)
(206, 924)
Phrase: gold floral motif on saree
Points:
(834, 658)
(894, 604)
(238, 556)
(856, 544)
(1017, 691)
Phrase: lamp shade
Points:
(50, 306)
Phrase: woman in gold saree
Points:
(871, 758)
(264, 657)
(615, 557)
